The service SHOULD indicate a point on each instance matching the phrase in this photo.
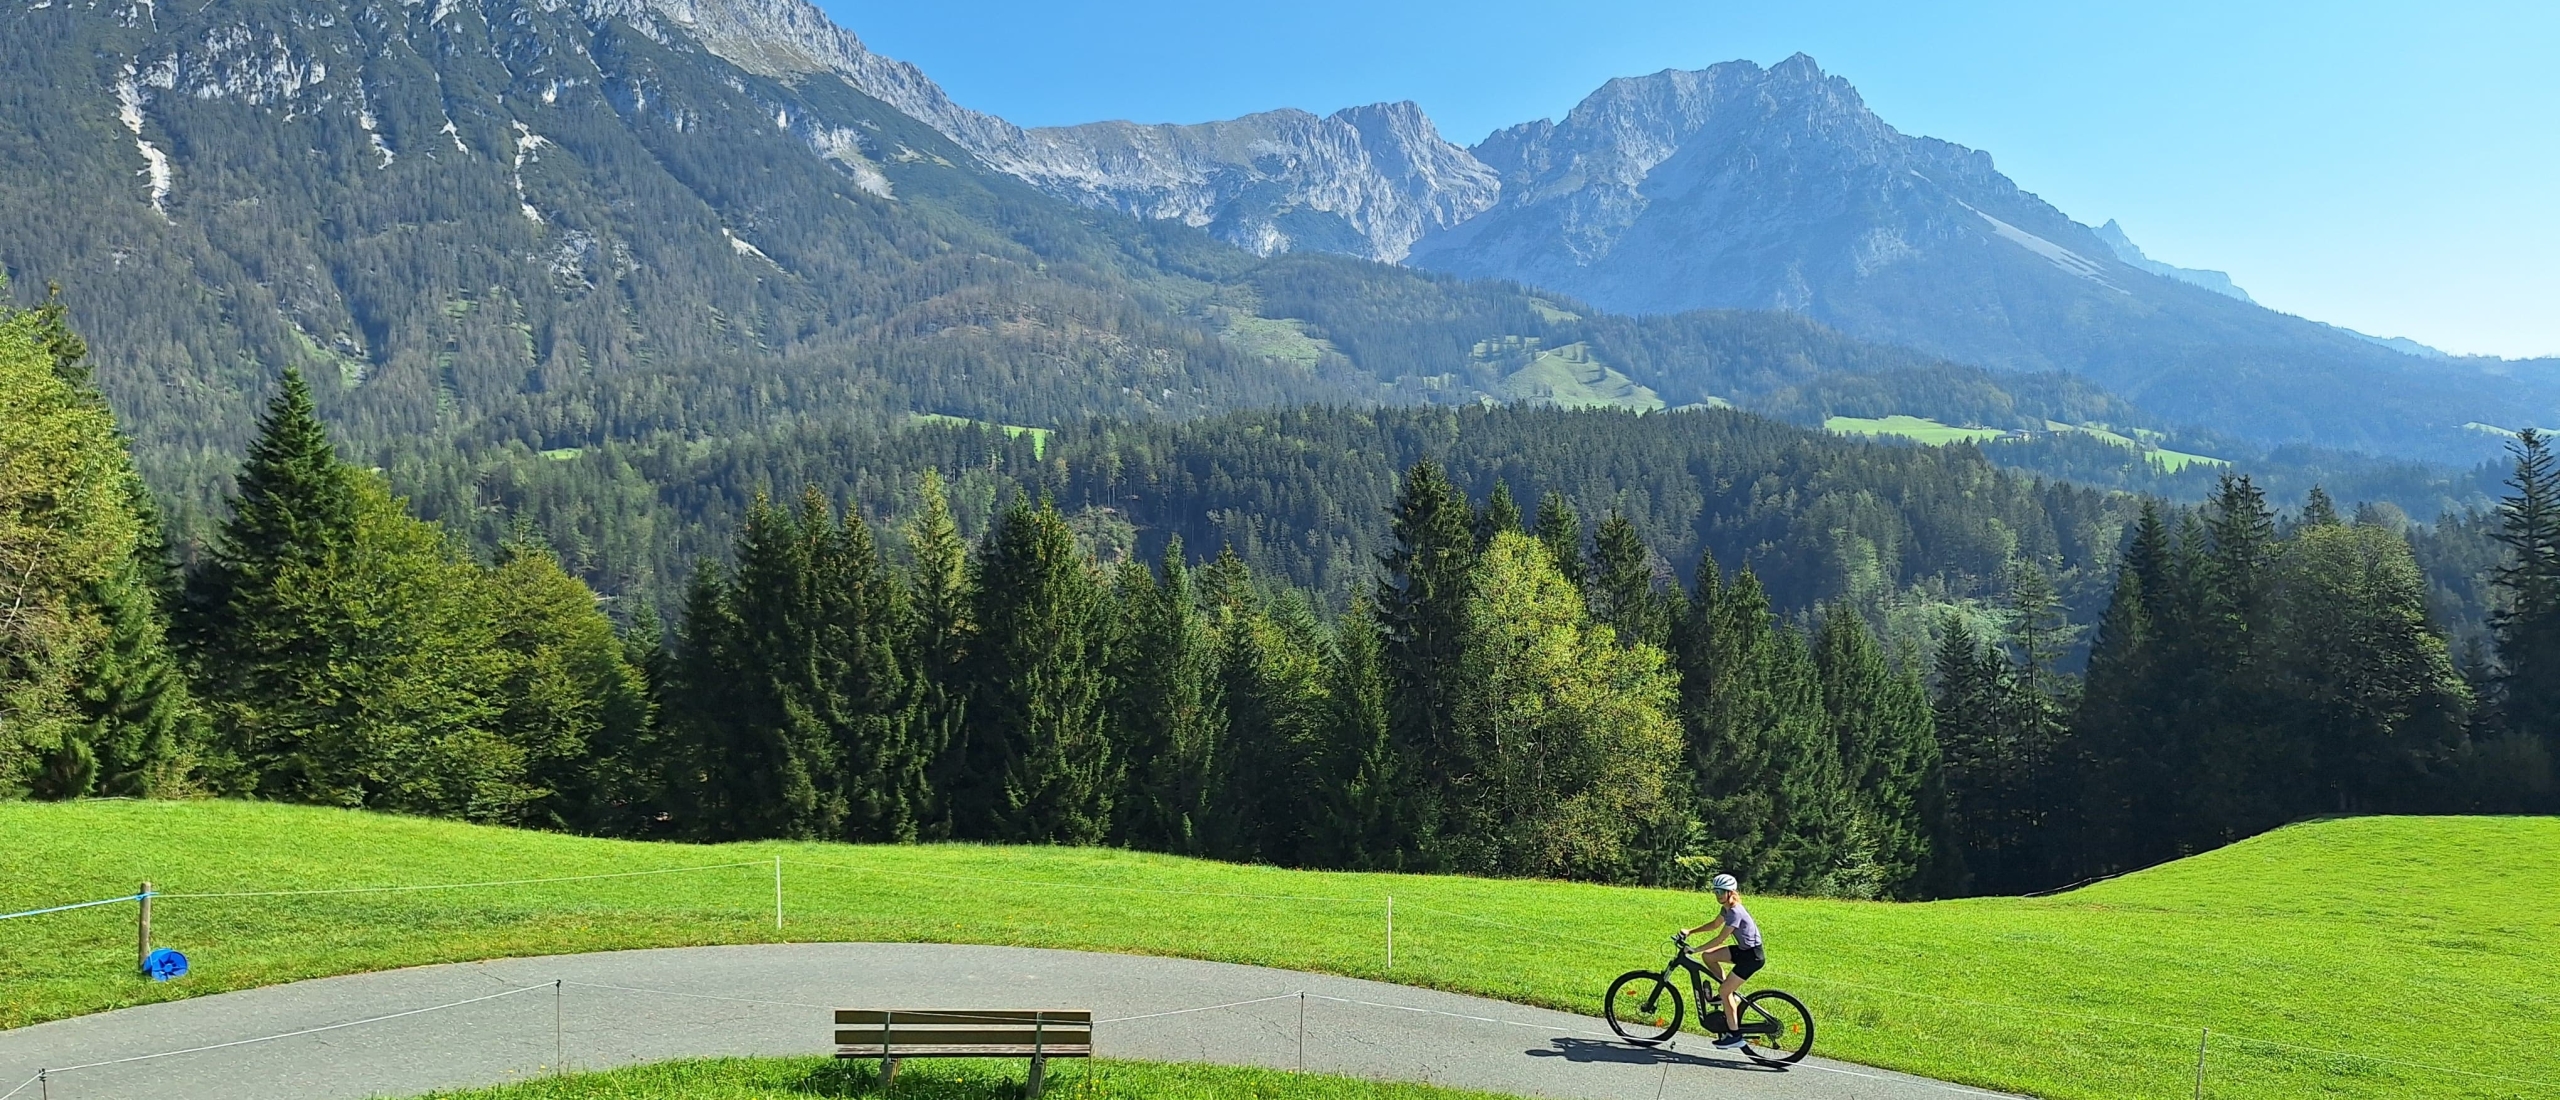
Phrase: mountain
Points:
(2216, 281)
(504, 230)
(1738, 187)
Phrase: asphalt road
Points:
(618, 1008)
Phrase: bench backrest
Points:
(1064, 1030)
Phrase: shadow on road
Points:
(1595, 1050)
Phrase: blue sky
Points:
(2390, 167)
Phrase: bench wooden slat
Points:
(901, 1035)
(872, 1050)
(874, 1017)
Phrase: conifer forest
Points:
(1504, 641)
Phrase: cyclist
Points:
(1744, 953)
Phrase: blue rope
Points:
(76, 905)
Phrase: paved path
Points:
(773, 999)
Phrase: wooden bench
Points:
(892, 1035)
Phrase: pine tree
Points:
(1423, 603)
(938, 636)
(1560, 531)
(869, 678)
(2318, 510)
(1888, 746)
(1038, 721)
(1623, 592)
(1771, 796)
(1501, 514)
(296, 507)
(1164, 711)
(2527, 626)
(1367, 819)
(2119, 745)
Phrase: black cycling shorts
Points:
(1747, 961)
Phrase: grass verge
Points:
(2325, 958)
(1101, 1079)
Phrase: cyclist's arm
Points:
(1717, 924)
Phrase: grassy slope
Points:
(788, 1078)
(2294, 937)
(1917, 429)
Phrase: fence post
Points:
(559, 1041)
(142, 933)
(777, 893)
(1391, 931)
(2202, 1038)
(1302, 1031)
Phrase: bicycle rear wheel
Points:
(1642, 1008)
(1779, 1027)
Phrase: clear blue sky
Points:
(2390, 167)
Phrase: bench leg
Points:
(1039, 1071)
(888, 1073)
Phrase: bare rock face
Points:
(1368, 181)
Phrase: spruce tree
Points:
(870, 682)
(1041, 764)
(1366, 820)
(2318, 510)
(1422, 611)
(1771, 797)
(1888, 746)
(1560, 531)
(938, 636)
(2527, 625)
(1163, 706)
(296, 507)
(1623, 593)
(1501, 514)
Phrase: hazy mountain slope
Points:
(1740, 187)
(2219, 282)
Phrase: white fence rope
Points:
(66, 909)
(51, 1071)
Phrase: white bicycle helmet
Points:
(1725, 883)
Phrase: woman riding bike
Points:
(1744, 954)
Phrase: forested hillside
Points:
(492, 225)
(1507, 691)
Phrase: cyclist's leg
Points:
(1715, 962)
(1729, 991)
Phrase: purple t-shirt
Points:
(1737, 920)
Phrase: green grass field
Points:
(2290, 947)
(1102, 1079)
(1039, 436)
(1917, 429)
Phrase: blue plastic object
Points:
(164, 964)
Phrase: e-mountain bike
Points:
(1645, 1008)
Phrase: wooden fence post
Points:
(142, 933)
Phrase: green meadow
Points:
(1917, 429)
(2354, 958)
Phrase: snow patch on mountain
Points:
(2055, 254)
(155, 164)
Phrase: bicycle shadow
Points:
(1595, 1050)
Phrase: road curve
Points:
(622, 1007)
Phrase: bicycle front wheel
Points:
(1778, 1026)
(1642, 1008)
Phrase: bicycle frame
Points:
(1707, 990)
